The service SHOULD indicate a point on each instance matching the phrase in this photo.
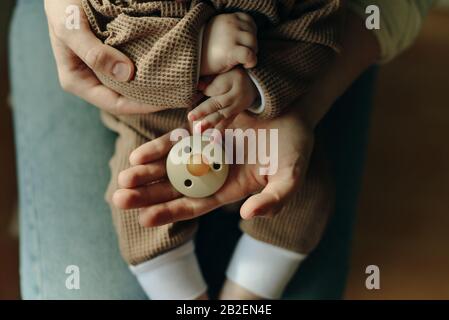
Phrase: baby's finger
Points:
(247, 39)
(208, 107)
(142, 174)
(213, 119)
(209, 122)
(204, 109)
(248, 21)
(244, 56)
(218, 86)
(204, 82)
(144, 196)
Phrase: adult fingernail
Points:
(121, 72)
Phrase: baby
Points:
(208, 52)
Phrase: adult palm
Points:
(145, 187)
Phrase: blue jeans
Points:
(63, 152)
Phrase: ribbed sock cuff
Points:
(262, 268)
(175, 275)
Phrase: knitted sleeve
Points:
(296, 42)
(161, 38)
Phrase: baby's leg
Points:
(162, 258)
(271, 249)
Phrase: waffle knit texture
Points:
(296, 39)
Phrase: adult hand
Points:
(79, 55)
(161, 204)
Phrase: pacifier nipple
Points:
(198, 165)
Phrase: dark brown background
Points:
(403, 214)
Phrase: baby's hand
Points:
(230, 93)
(229, 40)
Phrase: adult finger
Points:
(160, 192)
(89, 88)
(268, 201)
(152, 151)
(177, 210)
(237, 188)
(142, 174)
(96, 55)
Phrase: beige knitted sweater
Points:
(296, 39)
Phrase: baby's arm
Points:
(229, 40)
(230, 93)
(297, 40)
(294, 51)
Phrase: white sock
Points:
(262, 268)
(175, 275)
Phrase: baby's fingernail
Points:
(121, 72)
(197, 128)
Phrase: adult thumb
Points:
(100, 57)
(268, 201)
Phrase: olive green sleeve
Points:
(400, 23)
